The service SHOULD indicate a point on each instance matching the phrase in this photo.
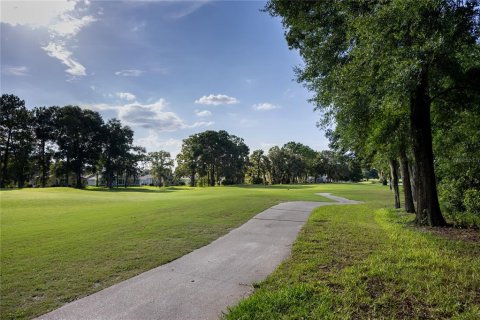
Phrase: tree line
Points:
(298, 163)
(400, 82)
(58, 146)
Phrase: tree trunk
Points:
(44, 166)
(407, 188)
(413, 174)
(79, 180)
(5, 161)
(428, 208)
(192, 179)
(394, 181)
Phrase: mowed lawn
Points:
(369, 262)
(59, 244)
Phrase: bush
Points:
(471, 200)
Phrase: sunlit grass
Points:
(59, 244)
(363, 262)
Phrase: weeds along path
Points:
(203, 283)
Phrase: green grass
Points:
(368, 262)
(59, 244)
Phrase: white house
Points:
(146, 180)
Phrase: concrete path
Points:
(203, 283)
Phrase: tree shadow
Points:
(135, 189)
(275, 186)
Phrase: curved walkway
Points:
(203, 283)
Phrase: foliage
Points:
(380, 65)
(215, 156)
(15, 140)
(79, 139)
(161, 165)
(117, 144)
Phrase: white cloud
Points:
(34, 13)
(264, 106)
(203, 113)
(60, 52)
(148, 116)
(129, 73)
(126, 96)
(199, 124)
(63, 20)
(216, 100)
(69, 26)
(15, 71)
(154, 142)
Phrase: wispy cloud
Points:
(69, 26)
(203, 113)
(264, 106)
(15, 71)
(216, 100)
(129, 73)
(60, 52)
(187, 8)
(126, 96)
(199, 124)
(63, 19)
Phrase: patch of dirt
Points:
(450, 233)
(375, 287)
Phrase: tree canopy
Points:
(371, 62)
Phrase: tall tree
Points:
(258, 167)
(404, 50)
(215, 156)
(161, 165)
(117, 143)
(44, 129)
(79, 139)
(14, 121)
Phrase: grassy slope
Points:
(367, 262)
(59, 244)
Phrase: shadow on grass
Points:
(275, 186)
(135, 189)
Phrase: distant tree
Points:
(161, 166)
(132, 161)
(258, 167)
(278, 167)
(188, 160)
(22, 146)
(14, 122)
(45, 133)
(215, 156)
(117, 143)
(79, 139)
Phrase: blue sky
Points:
(167, 69)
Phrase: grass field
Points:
(368, 262)
(361, 261)
(59, 244)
